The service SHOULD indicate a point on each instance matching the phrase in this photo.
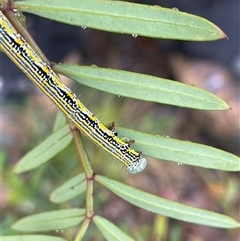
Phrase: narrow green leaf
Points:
(143, 87)
(124, 17)
(44, 151)
(183, 152)
(31, 238)
(167, 208)
(52, 220)
(59, 122)
(109, 230)
(70, 189)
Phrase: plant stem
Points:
(82, 230)
(89, 176)
(81, 150)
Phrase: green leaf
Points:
(109, 230)
(52, 220)
(183, 152)
(31, 238)
(143, 87)
(59, 122)
(167, 208)
(70, 189)
(44, 151)
(124, 17)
